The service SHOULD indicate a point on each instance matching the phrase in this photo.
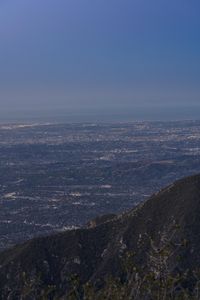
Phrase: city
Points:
(57, 177)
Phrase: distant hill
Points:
(153, 249)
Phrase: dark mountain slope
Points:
(170, 216)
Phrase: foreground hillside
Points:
(152, 252)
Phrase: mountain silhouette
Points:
(170, 219)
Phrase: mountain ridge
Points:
(96, 252)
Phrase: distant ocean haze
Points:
(119, 114)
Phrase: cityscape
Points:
(57, 177)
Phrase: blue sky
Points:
(80, 54)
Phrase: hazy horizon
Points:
(130, 114)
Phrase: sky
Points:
(99, 54)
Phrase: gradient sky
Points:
(77, 54)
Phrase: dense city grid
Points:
(57, 176)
